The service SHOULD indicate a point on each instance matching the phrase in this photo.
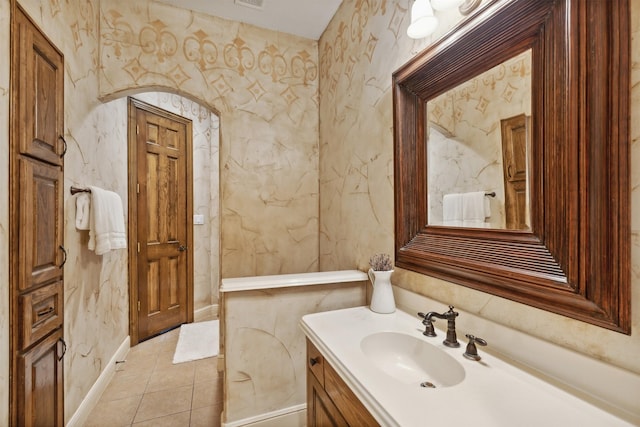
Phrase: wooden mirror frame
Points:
(575, 260)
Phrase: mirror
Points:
(477, 149)
(573, 255)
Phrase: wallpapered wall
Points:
(364, 43)
(264, 86)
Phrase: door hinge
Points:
(137, 129)
(138, 247)
(138, 188)
(138, 305)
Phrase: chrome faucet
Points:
(450, 317)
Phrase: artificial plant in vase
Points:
(380, 270)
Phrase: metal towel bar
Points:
(76, 190)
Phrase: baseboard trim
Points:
(89, 402)
(206, 313)
(281, 418)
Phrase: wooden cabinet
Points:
(330, 402)
(36, 210)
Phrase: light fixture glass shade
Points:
(445, 4)
(423, 22)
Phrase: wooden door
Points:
(515, 138)
(36, 211)
(164, 220)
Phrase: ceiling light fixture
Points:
(423, 21)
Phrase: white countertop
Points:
(492, 394)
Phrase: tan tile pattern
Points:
(149, 390)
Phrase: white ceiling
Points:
(306, 18)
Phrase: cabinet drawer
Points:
(315, 362)
(42, 311)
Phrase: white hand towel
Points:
(451, 208)
(473, 206)
(107, 222)
(83, 211)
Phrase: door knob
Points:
(182, 248)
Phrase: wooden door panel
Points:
(40, 222)
(41, 391)
(163, 223)
(40, 78)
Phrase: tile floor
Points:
(148, 390)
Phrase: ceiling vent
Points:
(254, 4)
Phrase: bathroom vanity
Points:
(368, 369)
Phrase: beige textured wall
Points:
(265, 353)
(263, 84)
(365, 42)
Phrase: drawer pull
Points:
(314, 361)
(45, 311)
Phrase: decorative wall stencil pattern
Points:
(200, 49)
(264, 86)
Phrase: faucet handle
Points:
(427, 321)
(472, 352)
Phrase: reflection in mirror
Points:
(478, 145)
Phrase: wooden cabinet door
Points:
(41, 390)
(321, 412)
(40, 219)
(38, 76)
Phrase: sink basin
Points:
(411, 360)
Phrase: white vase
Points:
(382, 300)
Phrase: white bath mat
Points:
(197, 341)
